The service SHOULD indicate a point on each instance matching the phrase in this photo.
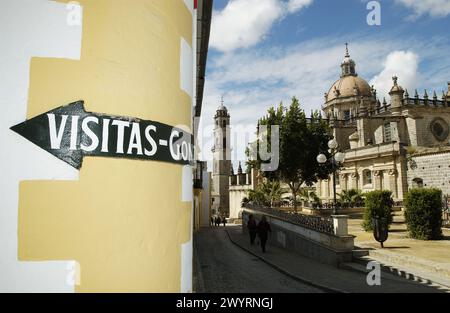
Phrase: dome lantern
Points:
(348, 65)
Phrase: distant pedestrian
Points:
(212, 221)
(252, 229)
(224, 221)
(263, 231)
(217, 221)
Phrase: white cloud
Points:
(435, 8)
(404, 65)
(244, 23)
(296, 5)
(252, 80)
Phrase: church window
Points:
(417, 183)
(367, 177)
(387, 132)
(439, 129)
(346, 114)
(224, 143)
(224, 123)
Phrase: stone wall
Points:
(321, 246)
(239, 187)
(432, 167)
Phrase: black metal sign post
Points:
(70, 133)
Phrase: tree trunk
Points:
(294, 195)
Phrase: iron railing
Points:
(317, 223)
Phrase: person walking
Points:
(263, 231)
(217, 221)
(252, 229)
(224, 221)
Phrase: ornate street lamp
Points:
(336, 158)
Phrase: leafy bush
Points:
(269, 193)
(351, 198)
(244, 201)
(424, 213)
(379, 204)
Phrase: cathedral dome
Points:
(349, 86)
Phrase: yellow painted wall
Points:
(124, 220)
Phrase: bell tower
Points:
(221, 161)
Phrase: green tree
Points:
(268, 193)
(351, 197)
(379, 204)
(424, 213)
(301, 140)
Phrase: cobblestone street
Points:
(225, 263)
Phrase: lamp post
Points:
(336, 158)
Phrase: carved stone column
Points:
(378, 180)
(355, 179)
(344, 181)
(326, 190)
(393, 182)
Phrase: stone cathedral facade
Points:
(395, 145)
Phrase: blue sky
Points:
(266, 51)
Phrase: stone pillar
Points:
(326, 193)
(344, 182)
(355, 178)
(378, 180)
(238, 179)
(393, 183)
(340, 224)
(319, 188)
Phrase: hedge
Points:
(424, 213)
(379, 204)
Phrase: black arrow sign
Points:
(70, 133)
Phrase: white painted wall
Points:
(237, 194)
(28, 28)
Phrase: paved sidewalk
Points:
(324, 276)
(426, 259)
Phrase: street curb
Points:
(279, 269)
(198, 282)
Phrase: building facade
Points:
(380, 138)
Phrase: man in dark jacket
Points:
(252, 229)
(263, 231)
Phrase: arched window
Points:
(224, 143)
(367, 177)
(224, 123)
(387, 132)
(417, 183)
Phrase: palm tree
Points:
(351, 196)
(268, 193)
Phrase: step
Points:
(360, 253)
(401, 270)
